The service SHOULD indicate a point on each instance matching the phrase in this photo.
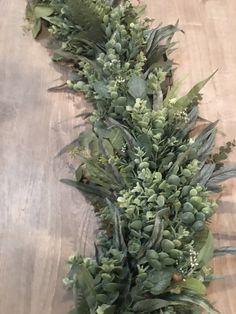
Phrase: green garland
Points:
(147, 177)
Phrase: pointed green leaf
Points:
(187, 298)
(150, 305)
(194, 285)
(206, 252)
(87, 287)
(186, 100)
(223, 174)
(36, 28)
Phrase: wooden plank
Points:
(42, 221)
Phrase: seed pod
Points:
(151, 254)
(175, 253)
(118, 47)
(106, 19)
(114, 95)
(155, 148)
(161, 200)
(121, 101)
(188, 218)
(158, 176)
(136, 225)
(106, 277)
(198, 226)
(167, 245)
(200, 216)
(187, 173)
(173, 179)
(169, 261)
(166, 234)
(196, 201)
(177, 243)
(193, 192)
(207, 211)
(188, 207)
(143, 165)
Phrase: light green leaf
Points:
(206, 252)
(186, 100)
(36, 28)
(194, 285)
(41, 11)
(137, 87)
(150, 305)
(116, 138)
(79, 173)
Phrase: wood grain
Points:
(42, 221)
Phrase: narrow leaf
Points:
(150, 305)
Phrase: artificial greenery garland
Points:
(147, 177)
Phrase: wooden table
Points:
(42, 221)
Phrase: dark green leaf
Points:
(87, 287)
(223, 174)
(164, 280)
(150, 305)
(187, 298)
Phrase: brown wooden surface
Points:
(42, 221)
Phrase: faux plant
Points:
(148, 178)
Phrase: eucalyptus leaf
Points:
(137, 87)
